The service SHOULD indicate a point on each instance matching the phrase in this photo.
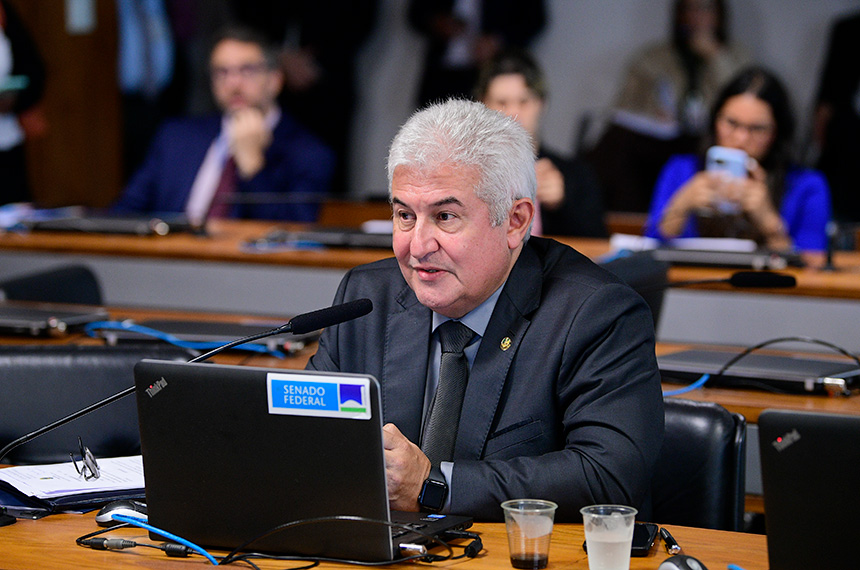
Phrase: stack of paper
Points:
(58, 486)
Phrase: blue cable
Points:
(92, 328)
(734, 567)
(697, 384)
(143, 524)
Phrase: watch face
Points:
(433, 495)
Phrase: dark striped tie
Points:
(441, 432)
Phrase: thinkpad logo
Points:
(781, 443)
(156, 387)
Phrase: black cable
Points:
(751, 349)
(470, 550)
(234, 554)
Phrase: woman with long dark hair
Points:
(777, 203)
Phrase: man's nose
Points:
(423, 240)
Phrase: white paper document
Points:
(61, 480)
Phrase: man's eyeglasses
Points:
(89, 468)
(245, 71)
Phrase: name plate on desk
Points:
(762, 371)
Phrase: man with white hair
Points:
(511, 366)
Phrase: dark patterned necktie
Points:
(441, 432)
(220, 206)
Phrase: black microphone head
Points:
(329, 316)
(762, 279)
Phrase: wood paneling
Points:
(78, 159)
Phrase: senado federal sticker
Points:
(321, 396)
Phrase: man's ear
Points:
(519, 221)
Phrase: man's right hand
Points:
(249, 137)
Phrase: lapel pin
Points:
(506, 343)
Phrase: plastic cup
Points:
(529, 525)
(608, 536)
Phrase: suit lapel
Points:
(404, 368)
(505, 331)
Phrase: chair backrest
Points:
(646, 275)
(699, 477)
(68, 284)
(43, 383)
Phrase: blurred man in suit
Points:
(251, 161)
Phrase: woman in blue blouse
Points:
(779, 205)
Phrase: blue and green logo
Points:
(319, 395)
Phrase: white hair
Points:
(468, 134)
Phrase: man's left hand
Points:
(406, 468)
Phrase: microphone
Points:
(299, 324)
(302, 324)
(763, 279)
(746, 279)
(330, 316)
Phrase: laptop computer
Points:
(213, 331)
(37, 319)
(762, 371)
(232, 452)
(328, 237)
(758, 259)
(106, 223)
(810, 469)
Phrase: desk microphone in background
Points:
(740, 279)
(749, 279)
(299, 324)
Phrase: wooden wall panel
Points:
(78, 159)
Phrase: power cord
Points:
(235, 555)
(92, 540)
(470, 550)
(185, 548)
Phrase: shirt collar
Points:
(478, 318)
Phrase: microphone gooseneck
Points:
(299, 324)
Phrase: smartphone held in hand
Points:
(731, 161)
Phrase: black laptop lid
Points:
(230, 452)
(810, 471)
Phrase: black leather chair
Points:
(40, 384)
(699, 476)
(68, 284)
(646, 275)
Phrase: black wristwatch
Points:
(434, 491)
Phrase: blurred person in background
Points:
(318, 43)
(251, 161)
(462, 35)
(22, 82)
(567, 191)
(837, 119)
(662, 107)
(779, 204)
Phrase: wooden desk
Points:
(225, 239)
(169, 271)
(183, 271)
(50, 543)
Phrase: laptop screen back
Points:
(231, 452)
(810, 470)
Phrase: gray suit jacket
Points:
(571, 411)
